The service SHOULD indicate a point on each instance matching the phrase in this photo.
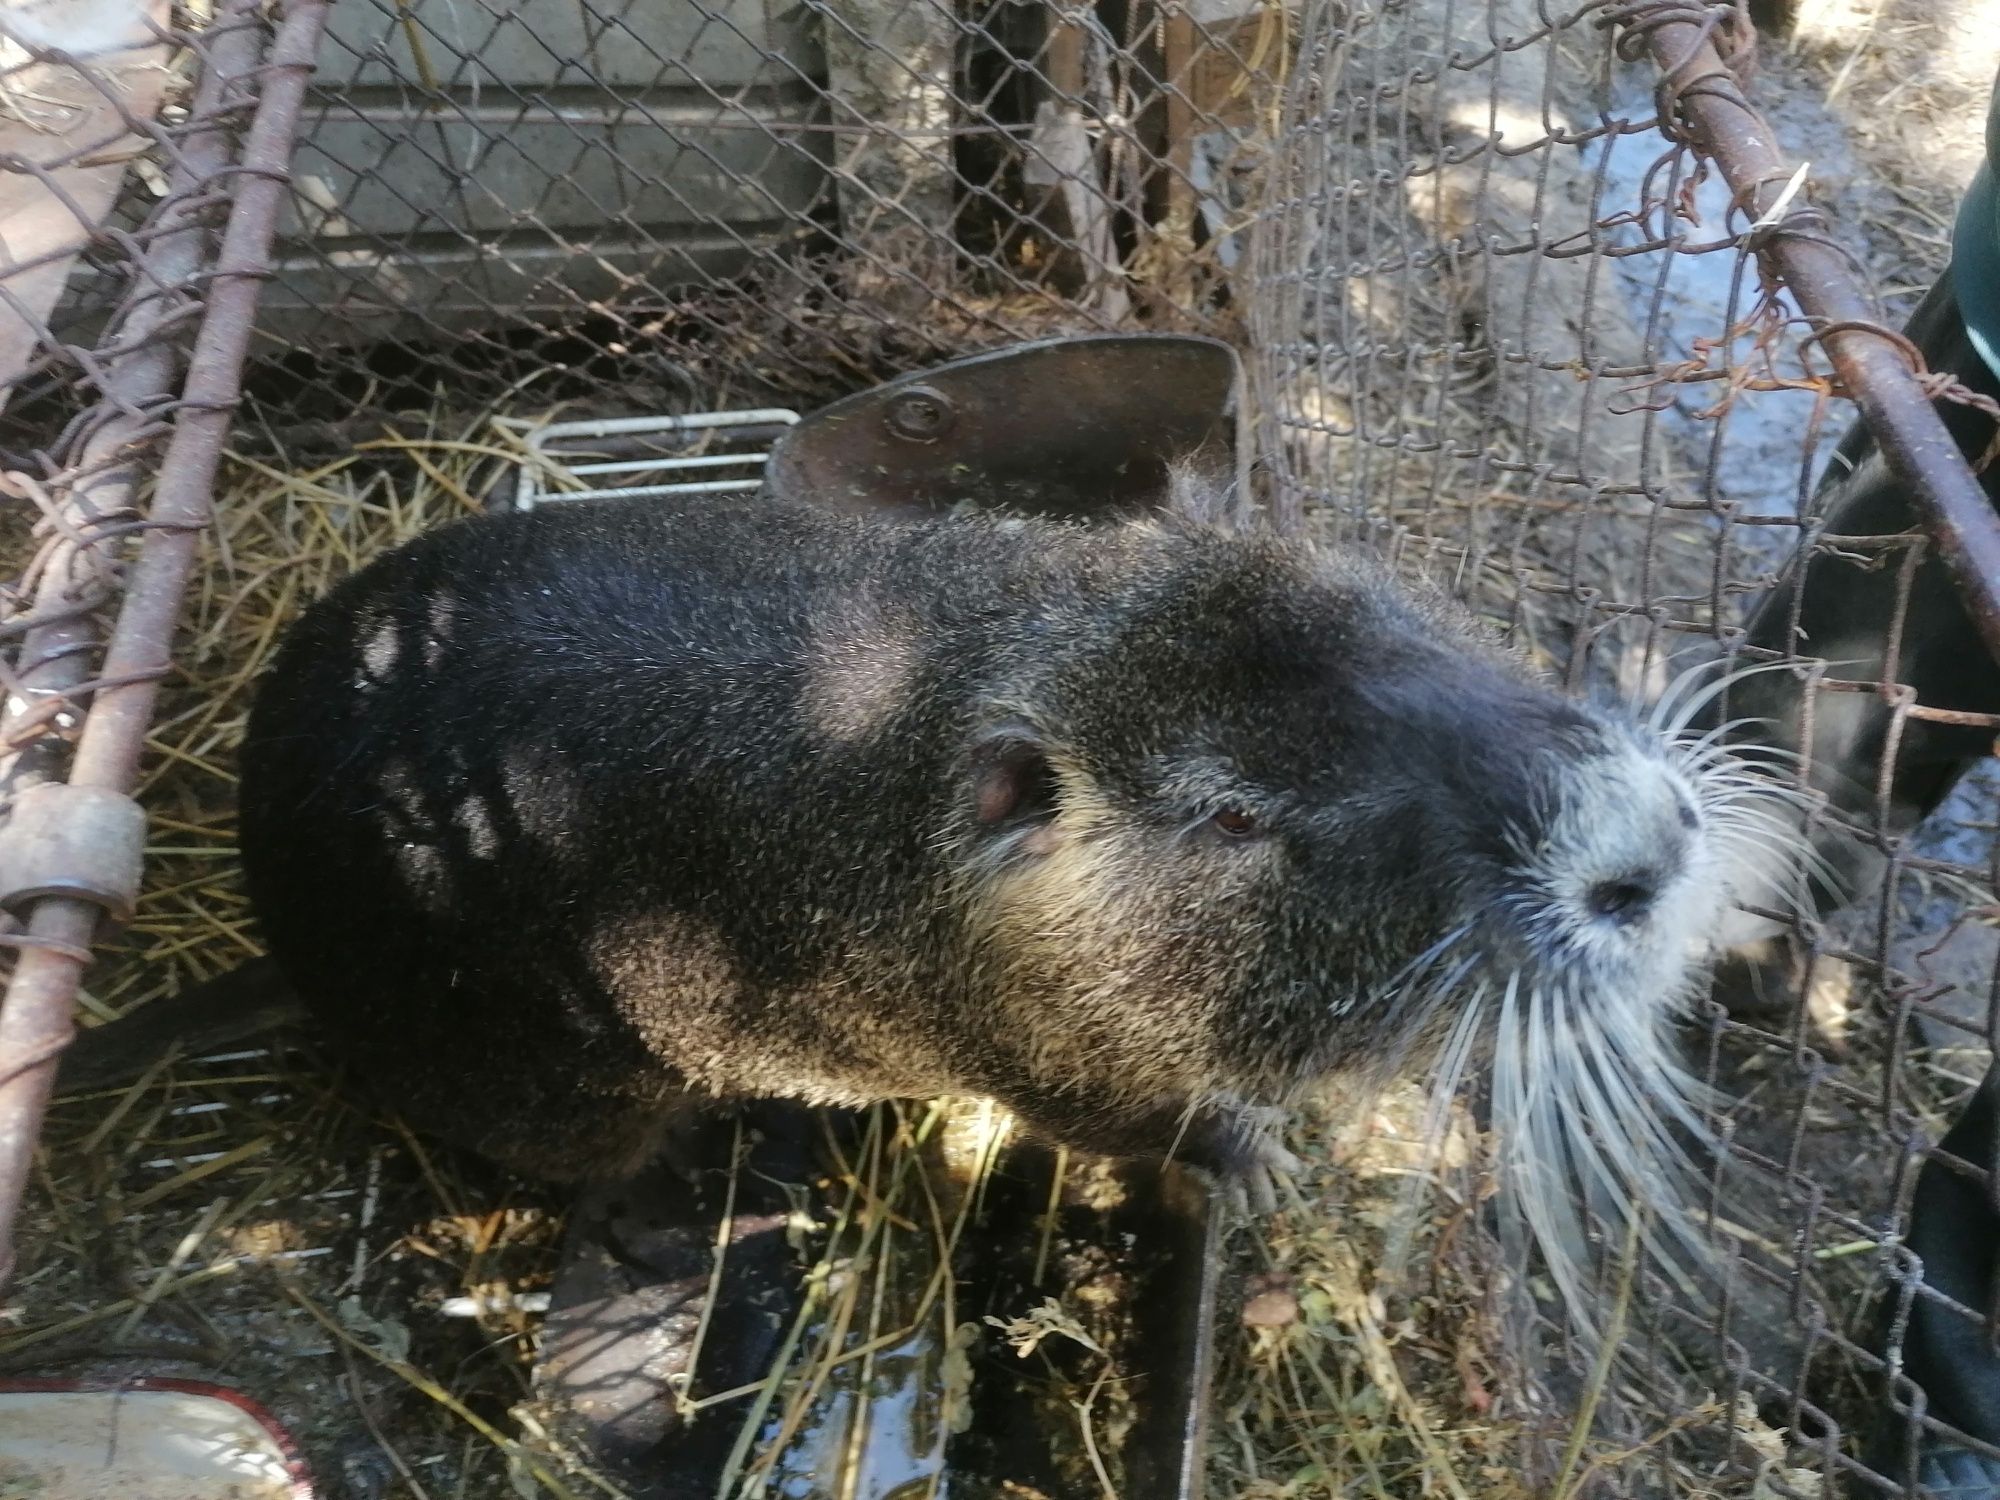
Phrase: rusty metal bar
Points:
(1873, 361)
(54, 658)
(36, 1019)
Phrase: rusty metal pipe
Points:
(54, 659)
(107, 754)
(36, 1018)
(1870, 358)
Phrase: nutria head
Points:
(1261, 817)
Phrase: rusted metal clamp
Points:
(82, 842)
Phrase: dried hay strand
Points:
(1351, 1379)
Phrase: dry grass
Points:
(1909, 82)
(242, 1213)
(1382, 1383)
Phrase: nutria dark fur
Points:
(559, 819)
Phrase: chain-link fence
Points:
(1502, 318)
(787, 201)
(1511, 327)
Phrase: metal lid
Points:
(1073, 427)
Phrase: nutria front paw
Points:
(1242, 1146)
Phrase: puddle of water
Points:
(951, 1408)
(882, 1439)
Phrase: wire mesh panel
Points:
(1502, 314)
(1510, 326)
(790, 199)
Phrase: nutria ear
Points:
(1012, 779)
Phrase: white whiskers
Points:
(1597, 1124)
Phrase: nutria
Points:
(558, 820)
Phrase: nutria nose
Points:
(1625, 900)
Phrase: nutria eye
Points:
(1235, 822)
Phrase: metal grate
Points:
(700, 453)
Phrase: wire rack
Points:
(1529, 298)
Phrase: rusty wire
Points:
(1455, 241)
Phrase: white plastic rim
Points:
(143, 1440)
